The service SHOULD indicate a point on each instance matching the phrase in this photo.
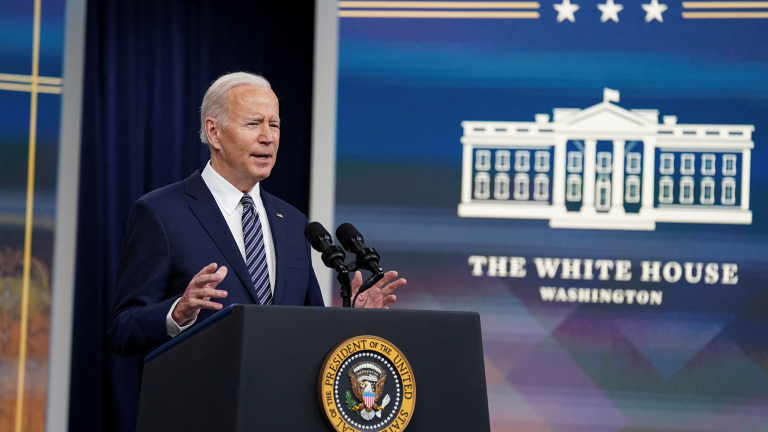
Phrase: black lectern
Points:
(255, 368)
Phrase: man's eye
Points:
(276, 126)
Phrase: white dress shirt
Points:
(228, 198)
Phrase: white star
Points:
(654, 11)
(566, 10)
(610, 11)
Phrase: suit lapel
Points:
(209, 215)
(275, 227)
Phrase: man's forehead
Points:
(247, 95)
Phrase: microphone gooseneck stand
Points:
(365, 257)
(334, 256)
(346, 285)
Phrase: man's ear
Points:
(212, 133)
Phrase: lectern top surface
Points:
(218, 316)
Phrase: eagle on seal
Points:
(361, 390)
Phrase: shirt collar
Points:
(223, 191)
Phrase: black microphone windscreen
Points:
(315, 230)
(346, 231)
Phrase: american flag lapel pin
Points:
(279, 215)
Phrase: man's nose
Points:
(267, 134)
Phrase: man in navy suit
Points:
(183, 240)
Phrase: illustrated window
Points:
(574, 162)
(522, 161)
(573, 188)
(501, 187)
(707, 191)
(503, 158)
(633, 163)
(541, 187)
(686, 190)
(603, 194)
(542, 161)
(482, 185)
(482, 160)
(666, 185)
(603, 163)
(729, 164)
(687, 164)
(729, 192)
(632, 190)
(708, 164)
(667, 164)
(522, 183)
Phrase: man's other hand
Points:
(199, 292)
(379, 295)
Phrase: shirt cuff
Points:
(171, 327)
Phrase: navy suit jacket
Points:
(172, 234)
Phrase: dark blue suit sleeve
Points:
(137, 323)
(314, 296)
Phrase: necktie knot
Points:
(246, 201)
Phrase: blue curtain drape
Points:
(147, 67)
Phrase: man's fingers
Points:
(222, 272)
(204, 304)
(387, 300)
(213, 278)
(210, 268)
(206, 270)
(356, 282)
(205, 279)
(388, 276)
(201, 290)
(393, 286)
(211, 293)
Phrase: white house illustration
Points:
(605, 167)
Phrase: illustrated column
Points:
(590, 156)
(746, 162)
(558, 175)
(617, 201)
(649, 175)
(466, 174)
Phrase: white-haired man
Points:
(184, 239)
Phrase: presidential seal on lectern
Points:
(366, 384)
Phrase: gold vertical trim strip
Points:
(28, 221)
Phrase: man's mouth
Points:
(262, 156)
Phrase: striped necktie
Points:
(255, 256)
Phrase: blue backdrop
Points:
(595, 355)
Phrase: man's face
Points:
(247, 144)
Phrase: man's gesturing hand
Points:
(379, 295)
(199, 292)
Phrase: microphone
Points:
(351, 239)
(321, 241)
